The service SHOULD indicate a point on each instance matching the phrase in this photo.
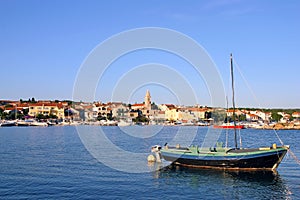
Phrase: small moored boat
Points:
(8, 123)
(229, 126)
(264, 158)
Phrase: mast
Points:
(233, 103)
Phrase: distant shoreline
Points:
(278, 126)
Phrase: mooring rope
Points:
(289, 150)
(294, 156)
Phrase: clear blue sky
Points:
(44, 43)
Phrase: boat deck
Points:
(214, 150)
(242, 150)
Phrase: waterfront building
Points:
(56, 109)
(296, 115)
(157, 116)
(165, 107)
(172, 114)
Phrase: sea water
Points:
(57, 163)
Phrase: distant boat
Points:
(202, 123)
(8, 123)
(230, 126)
(219, 157)
(23, 123)
(30, 122)
(124, 123)
(36, 123)
(187, 124)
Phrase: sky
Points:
(45, 44)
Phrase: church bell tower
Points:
(148, 100)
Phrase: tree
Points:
(207, 115)
(242, 118)
(14, 114)
(219, 116)
(275, 116)
(2, 113)
(52, 116)
(154, 106)
(26, 111)
(109, 116)
(140, 119)
(40, 116)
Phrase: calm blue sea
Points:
(57, 163)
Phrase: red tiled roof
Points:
(138, 104)
(114, 103)
(22, 105)
(59, 105)
(13, 108)
(100, 104)
(87, 106)
(170, 105)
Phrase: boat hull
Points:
(8, 124)
(259, 160)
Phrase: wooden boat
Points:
(264, 158)
(219, 157)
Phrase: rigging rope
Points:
(256, 99)
(246, 82)
(241, 145)
(226, 140)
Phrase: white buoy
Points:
(151, 158)
(156, 150)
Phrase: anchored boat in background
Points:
(219, 157)
(230, 125)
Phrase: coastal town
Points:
(46, 113)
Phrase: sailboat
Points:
(219, 157)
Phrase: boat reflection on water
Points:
(251, 176)
(228, 184)
(255, 176)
